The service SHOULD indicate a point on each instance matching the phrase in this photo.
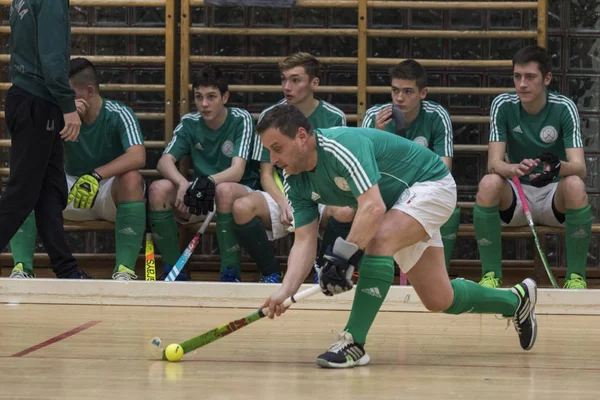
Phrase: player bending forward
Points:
(401, 205)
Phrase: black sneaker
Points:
(77, 274)
(524, 318)
(345, 353)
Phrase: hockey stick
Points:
(225, 329)
(189, 250)
(517, 183)
(149, 262)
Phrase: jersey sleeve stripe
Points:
(260, 117)
(173, 140)
(570, 106)
(445, 118)
(331, 108)
(126, 119)
(135, 132)
(496, 105)
(372, 113)
(350, 162)
(247, 133)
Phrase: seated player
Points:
(219, 140)
(426, 123)
(403, 193)
(540, 130)
(269, 209)
(102, 175)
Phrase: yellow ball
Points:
(174, 352)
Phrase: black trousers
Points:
(37, 177)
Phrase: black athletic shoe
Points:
(524, 318)
(345, 353)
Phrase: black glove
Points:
(200, 196)
(335, 276)
(547, 177)
(398, 118)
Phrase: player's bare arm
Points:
(167, 168)
(497, 165)
(575, 164)
(233, 173)
(300, 262)
(369, 214)
(268, 184)
(447, 162)
(133, 159)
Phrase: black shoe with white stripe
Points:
(524, 318)
(345, 353)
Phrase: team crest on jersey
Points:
(421, 140)
(341, 183)
(227, 148)
(548, 134)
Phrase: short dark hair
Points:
(83, 73)
(210, 76)
(536, 54)
(285, 117)
(409, 70)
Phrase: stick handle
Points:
(297, 297)
(519, 187)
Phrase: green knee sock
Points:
(333, 230)
(488, 230)
(578, 228)
(166, 235)
(231, 254)
(22, 244)
(129, 232)
(469, 297)
(449, 232)
(376, 277)
(253, 237)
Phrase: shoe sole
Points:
(532, 291)
(364, 360)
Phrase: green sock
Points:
(376, 277)
(22, 244)
(578, 229)
(333, 230)
(449, 232)
(130, 225)
(231, 254)
(253, 237)
(488, 230)
(166, 235)
(469, 297)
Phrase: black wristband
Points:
(96, 175)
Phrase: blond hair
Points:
(311, 65)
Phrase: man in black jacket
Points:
(40, 112)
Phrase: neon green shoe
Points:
(490, 280)
(124, 274)
(19, 273)
(576, 282)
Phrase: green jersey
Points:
(114, 130)
(432, 128)
(212, 151)
(554, 129)
(324, 116)
(350, 161)
(40, 49)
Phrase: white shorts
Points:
(187, 218)
(540, 205)
(104, 207)
(431, 204)
(278, 229)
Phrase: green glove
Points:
(84, 191)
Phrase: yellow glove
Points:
(84, 191)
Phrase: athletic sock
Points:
(166, 234)
(469, 297)
(578, 229)
(449, 233)
(22, 244)
(231, 254)
(253, 237)
(488, 231)
(129, 232)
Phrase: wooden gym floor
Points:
(71, 351)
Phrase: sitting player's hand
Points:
(84, 191)
(275, 303)
(383, 118)
(551, 170)
(179, 204)
(200, 196)
(335, 276)
(82, 107)
(285, 212)
(524, 167)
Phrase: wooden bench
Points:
(207, 264)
